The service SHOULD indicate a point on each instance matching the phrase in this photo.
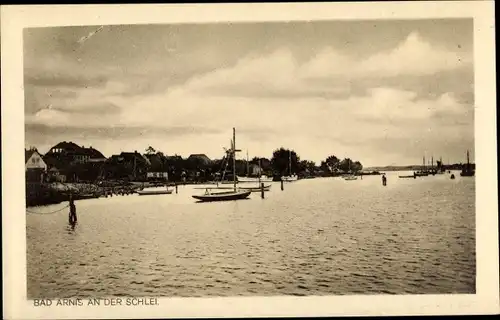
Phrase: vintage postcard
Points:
(247, 160)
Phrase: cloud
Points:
(48, 79)
(414, 95)
(414, 56)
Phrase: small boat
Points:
(256, 189)
(452, 177)
(421, 173)
(223, 196)
(262, 178)
(413, 176)
(350, 177)
(291, 177)
(467, 170)
(234, 194)
(154, 192)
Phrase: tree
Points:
(150, 150)
(357, 166)
(348, 165)
(332, 161)
(345, 165)
(306, 165)
(280, 161)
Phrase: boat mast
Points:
(234, 159)
(248, 166)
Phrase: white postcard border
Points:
(15, 18)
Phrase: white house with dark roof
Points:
(34, 166)
(33, 160)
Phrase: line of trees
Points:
(283, 162)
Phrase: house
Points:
(127, 165)
(68, 161)
(200, 158)
(57, 169)
(254, 169)
(73, 153)
(34, 160)
(35, 167)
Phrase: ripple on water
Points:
(316, 237)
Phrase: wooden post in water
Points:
(262, 190)
(282, 184)
(176, 188)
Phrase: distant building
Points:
(73, 153)
(157, 175)
(35, 167)
(68, 161)
(127, 165)
(254, 169)
(34, 160)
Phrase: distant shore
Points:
(39, 194)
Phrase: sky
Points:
(384, 92)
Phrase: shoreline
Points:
(43, 194)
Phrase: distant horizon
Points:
(242, 155)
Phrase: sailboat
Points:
(422, 173)
(154, 192)
(291, 177)
(350, 176)
(259, 179)
(234, 194)
(467, 170)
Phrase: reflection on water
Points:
(317, 237)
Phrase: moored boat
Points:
(467, 170)
(291, 178)
(256, 189)
(262, 178)
(350, 177)
(154, 192)
(223, 196)
(413, 176)
(234, 194)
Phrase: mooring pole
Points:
(176, 188)
(262, 190)
(282, 187)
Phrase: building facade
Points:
(35, 166)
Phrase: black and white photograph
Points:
(291, 158)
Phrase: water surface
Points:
(324, 236)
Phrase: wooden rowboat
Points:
(153, 192)
(222, 196)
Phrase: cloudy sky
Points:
(382, 92)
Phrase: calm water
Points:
(317, 237)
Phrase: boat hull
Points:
(289, 178)
(467, 174)
(223, 196)
(350, 177)
(254, 180)
(256, 189)
(421, 174)
(157, 192)
(408, 177)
